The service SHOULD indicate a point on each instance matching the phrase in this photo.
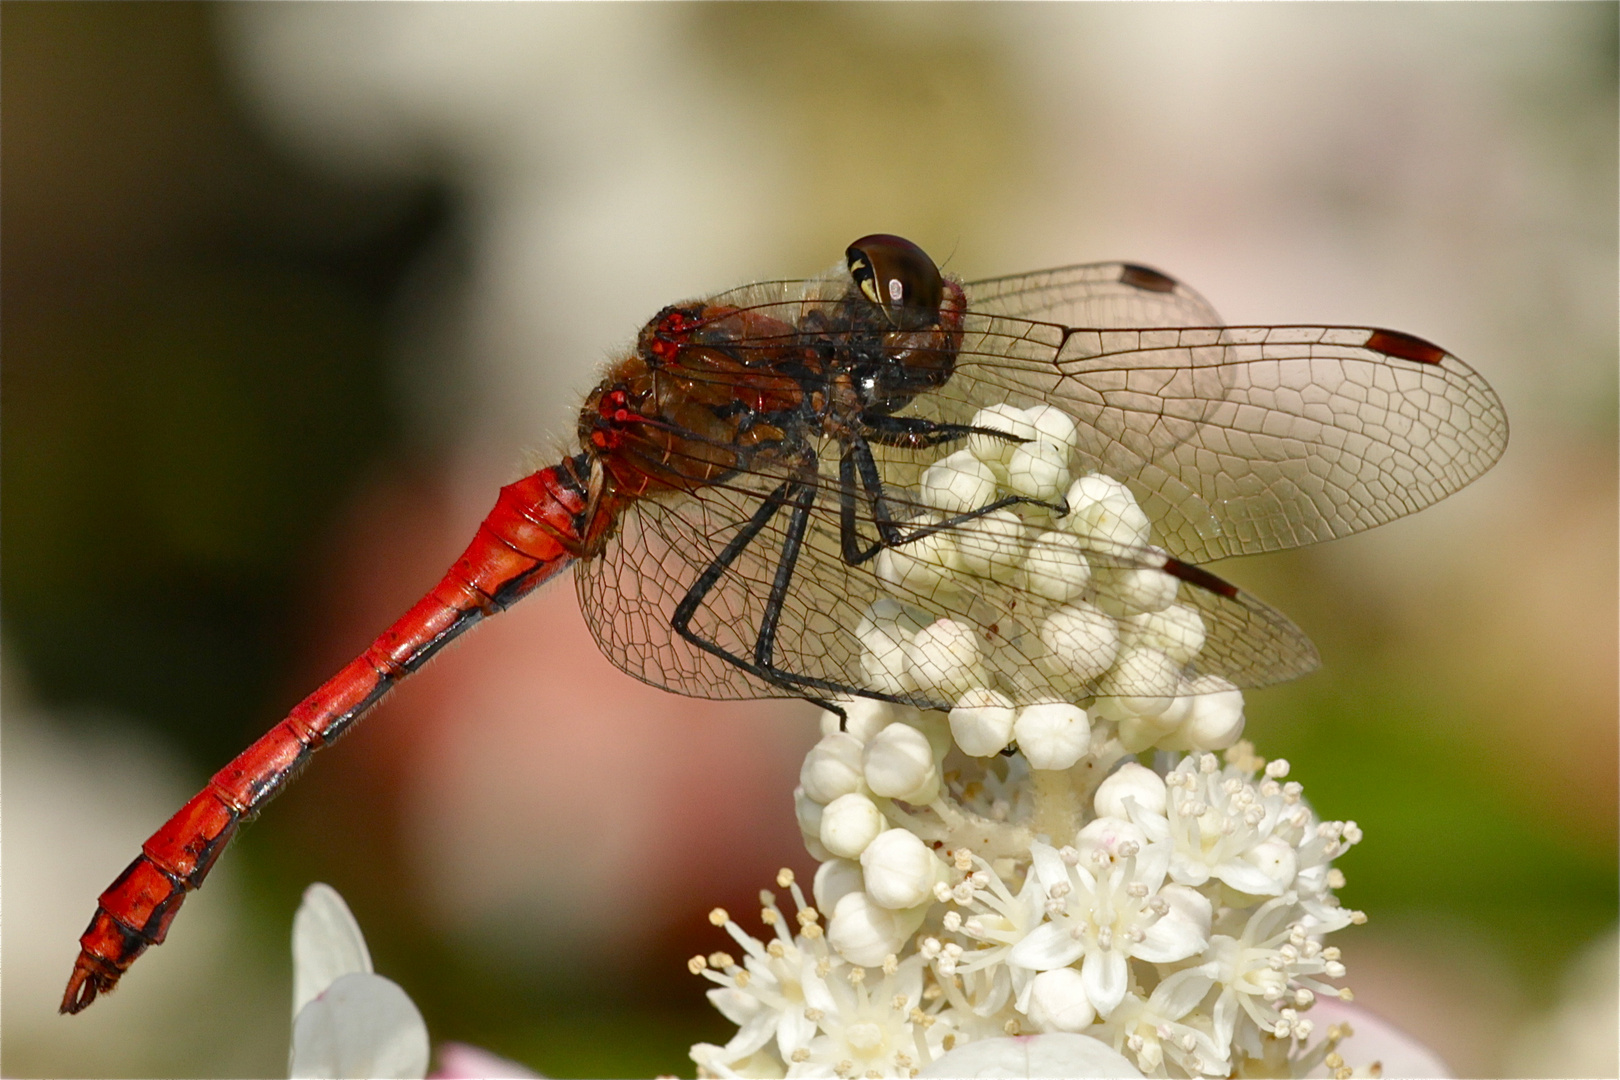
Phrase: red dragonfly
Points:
(743, 469)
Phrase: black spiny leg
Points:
(800, 494)
(906, 432)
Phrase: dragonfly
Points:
(744, 474)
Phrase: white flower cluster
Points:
(1025, 603)
(1172, 915)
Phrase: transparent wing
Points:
(846, 628)
(1097, 295)
(1239, 440)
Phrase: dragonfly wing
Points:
(851, 629)
(1238, 440)
(1100, 295)
(662, 547)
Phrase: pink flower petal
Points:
(460, 1061)
(1375, 1040)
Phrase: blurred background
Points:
(290, 290)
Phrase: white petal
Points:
(1106, 975)
(326, 944)
(814, 987)
(759, 1030)
(735, 1005)
(793, 1030)
(362, 1026)
(1049, 868)
(1180, 993)
(1048, 946)
(1183, 931)
(1247, 878)
(1058, 1054)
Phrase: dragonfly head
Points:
(898, 277)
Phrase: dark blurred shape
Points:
(195, 367)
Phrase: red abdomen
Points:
(538, 526)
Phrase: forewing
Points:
(1238, 440)
(1097, 295)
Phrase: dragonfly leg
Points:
(920, 433)
(857, 457)
(800, 496)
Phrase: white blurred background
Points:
(531, 838)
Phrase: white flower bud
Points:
(945, 658)
(922, 567)
(1104, 511)
(1054, 426)
(835, 879)
(982, 722)
(1014, 421)
(1215, 715)
(1177, 631)
(899, 764)
(1135, 782)
(1038, 470)
(1055, 567)
(1107, 834)
(993, 545)
(849, 823)
(1052, 736)
(899, 870)
(1132, 590)
(1079, 643)
(832, 768)
(1058, 1001)
(809, 812)
(1142, 682)
(1138, 733)
(864, 933)
(866, 717)
(884, 632)
(958, 483)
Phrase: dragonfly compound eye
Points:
(899, 277)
